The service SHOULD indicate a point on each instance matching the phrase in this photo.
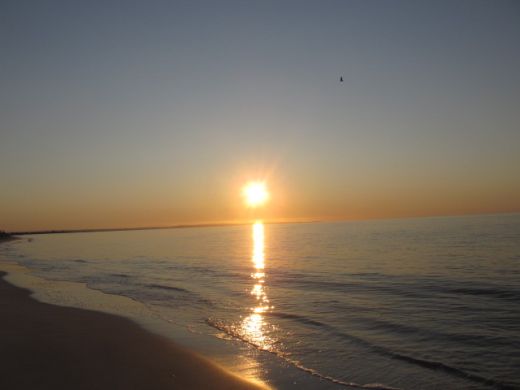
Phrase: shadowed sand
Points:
(44, 346)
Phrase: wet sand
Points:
(44, 346)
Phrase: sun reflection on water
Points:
(254, 325)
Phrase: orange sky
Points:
(221, 200)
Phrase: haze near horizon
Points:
(158, 113)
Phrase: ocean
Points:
(422, 303)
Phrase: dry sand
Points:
(44, 346)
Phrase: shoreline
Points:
(258, 368)
(47, 346)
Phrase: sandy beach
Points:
(52, 347)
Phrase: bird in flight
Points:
(341, 79)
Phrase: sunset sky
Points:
(152, 113)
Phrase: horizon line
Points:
(223, 224)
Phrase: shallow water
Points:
(429, 303)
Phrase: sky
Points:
(156, 113)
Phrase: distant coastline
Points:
(4, 236)
(120, 229)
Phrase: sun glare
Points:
(255, 193)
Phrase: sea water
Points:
(430, 303)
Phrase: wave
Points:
(416, 289)
(229, 330)
(304, 320)
(428, 364)
(188, 297)
(169, 288)
(492, 292)
(120, 275)
(409, 330)
(433, 365)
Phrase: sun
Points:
(255, 193)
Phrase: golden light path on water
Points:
(254, 325)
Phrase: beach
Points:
(390, 304)
(266, 194)
(52, 347)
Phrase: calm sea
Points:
(430, 303)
